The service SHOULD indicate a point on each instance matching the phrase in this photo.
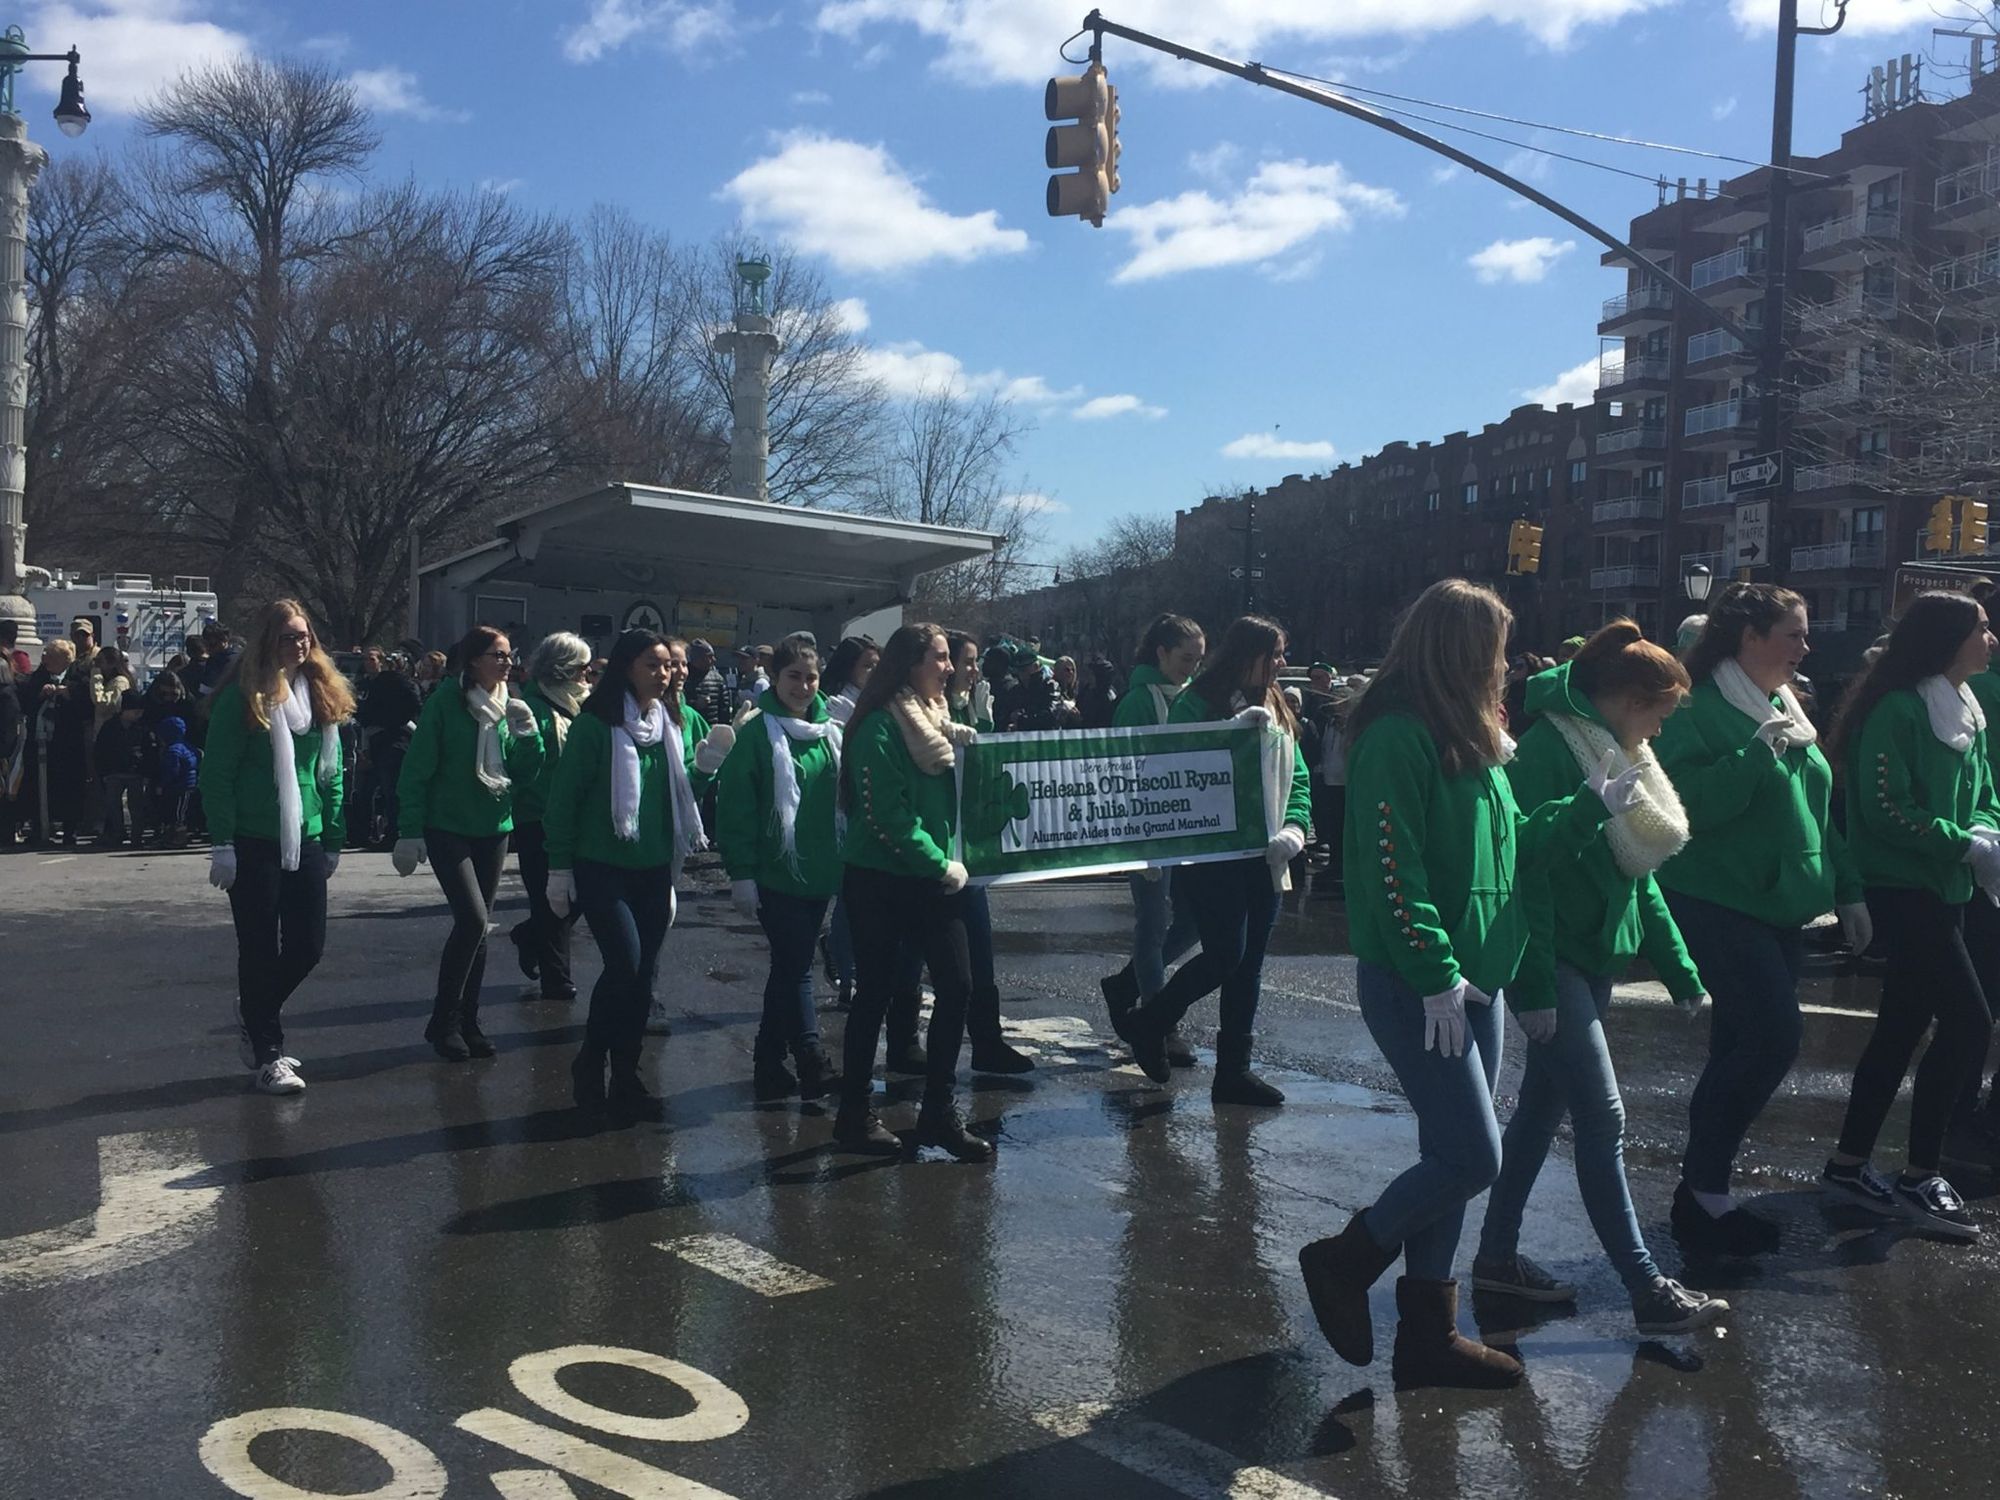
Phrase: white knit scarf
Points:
(566, 698)
(1164, 694)
(487, 710)
(1656, 827)
(929, 733)
(652, 727)
(1743, 694)
(1956, 717)
(785, 792)
(293, 717)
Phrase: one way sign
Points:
(1758, 472)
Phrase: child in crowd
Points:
(174, 776)
(119, 759)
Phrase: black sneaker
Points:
(1669, 1307)
(1860, 1184)
(1933, 1204)
(1736, 1233)
(1522, 1278)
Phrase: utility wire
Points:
(1592, 135)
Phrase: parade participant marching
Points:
(455, 808)
(621, 817)
(847, 672)
(1762, 860)
(554, 692)
(272, 783)
(1235, 901)
(1437, 937)
(1923, 823)
(1591, 918)
(1163, 929)
(777, 811)
(902, 885)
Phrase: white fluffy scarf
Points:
(647, 728)
(487, 710)
(1743, 694)
(566, 698)
(1956, 717)
(929, 733)
(294, 716)
(785, 792)
(1656, 828)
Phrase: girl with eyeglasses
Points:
(455, 809)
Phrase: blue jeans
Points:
(1458, 1138)
(1235, 909)
(1752, 972)
(1163, 932)
(791, 923)
(627, 913)
(1571, 1073)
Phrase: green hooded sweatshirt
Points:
(1450, 850)
(899, 819)
(1191, 708)
(577, 820)
(1761, 842)
(1139, 709)
(746, 814)
(1911, 799)
(438, 787)
(1590, 913)
(239, 792)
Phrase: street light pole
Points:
(21, 162)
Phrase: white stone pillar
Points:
(753, 347)
(21, 161)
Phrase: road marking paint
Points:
(1170, 1457)
(718, 1411)
(1064, 1040)
(746, 1265)
(58, 859)
(414, 1471)
(531, 1484)
(140, 1216)
(588, 1462)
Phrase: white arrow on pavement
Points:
(140, 1217)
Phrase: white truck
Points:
(148, 619)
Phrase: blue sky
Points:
(1277, 288)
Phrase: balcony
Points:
(1849, 389)
(1982, 358)
(1640, 435)
(1965, 197)
(1818, 478)
(1831, 557)
(1952, 456)
(1717, 343)
(1969, 283)
(1835, 244)
(1709, 560)
(1725, 276)
(1718, 418)
(1651, 303)
(1625, 580)
(1852, 307)
(1701, 494)
(1616, 370)
(1629, 508)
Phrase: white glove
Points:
(744, 894)
(714, 750)
(1256, 714)
(332, 862)
(222, 866)
(954, 878)
(1856, 925)
(407, 855)
(561, 891)
(1620, 793)
(673, 906)
(520, 718)
(1444, 1021)
(1691, 1008)
(1771, 732)
(1537, 1025)
(1286, 847)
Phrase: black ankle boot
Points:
(627, 1098)
(443, 1034)
(770, 1078)
(477, 1044)
(1234, 1082)
(940, 1124)
(990, 1051)
(857, 1130)
(817, 1077)
(586, 1077)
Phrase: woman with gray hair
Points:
(555, 689)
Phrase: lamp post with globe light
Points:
(21, 161)
(1696, 582)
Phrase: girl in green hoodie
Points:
(777, 821)
(455, 808)
(1925, 829)
(1590, 919)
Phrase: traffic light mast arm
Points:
(1096, 24)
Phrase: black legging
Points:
(544, 934)
(884, 911)
(280, 918)
(468, 872)
(1930, 978)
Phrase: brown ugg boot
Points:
(1431, 1351)
(1338, 1273)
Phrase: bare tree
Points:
(1129, 542)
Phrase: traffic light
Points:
(1089, 144)
(1524, 548)
(1937, 535)
(1971, 524)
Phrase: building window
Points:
(1864, 605)
(1579, 470)
(1870, 521)
(1470, 494)
(1431, 501)
(1653, 481)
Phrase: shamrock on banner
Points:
(995, 806)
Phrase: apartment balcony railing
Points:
(1828, 557)
(1850, 387)
(1742, 261)
(1639, 576)
(1717, 416)
(1862, 224)
(1639, 435)
(1709, 560)
(1978, 271)
(1647, 298)
(1699, 493)
(1959, 451)
(1628, 508)
(1982, 358)
(1618, 369)
(1980, 180)
(1852, 306)
(1829, 476)
(1713, 345)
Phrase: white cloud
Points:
(1529, 166)
(501, 186)
(682, 27)
(1098, 408)
(395, 91)
(1576, 385)
(1035, 503)
(853, 204)
(851, 314)
(1008, 41)
(1284, 205)
(1519, 261)
(130, 47)
(1264, 445)
(812, 96)
(1217, 162)
(906, 369)
(1723, 109)
(1449, 172)
(1865, 17)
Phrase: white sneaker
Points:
(246, 1051)
(279, 1078)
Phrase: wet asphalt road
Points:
(453, 1291)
